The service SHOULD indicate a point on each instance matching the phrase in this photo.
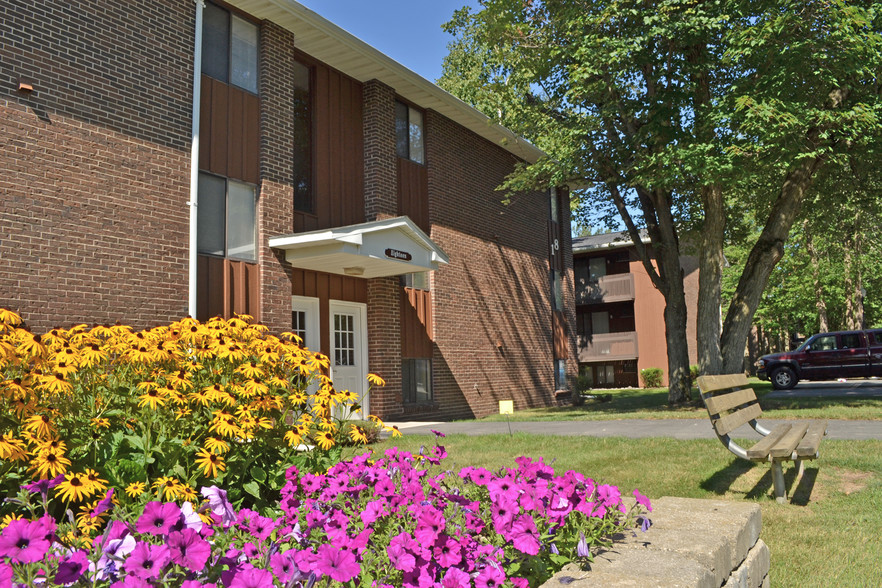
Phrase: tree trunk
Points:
(854, 304)
(767, 251)
(820, 303)
(710, 276)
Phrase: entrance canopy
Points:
(389, 247)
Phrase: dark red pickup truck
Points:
(825, 356)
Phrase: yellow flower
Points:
(167, 487)
(200, 396)
(12, 449)
(135, 489)
(394, 430)
(224, 424)
(32, 345)
(65, 368)
(96, 483)
(49, 464)
(188, 493)
(92, 355)
(55, 383)
(375, 380)
(153, 399)
(211, 463)
(325, 439)
(348, 396)
(100, 423)
(251, 369)
(75, 487)
(8, 317)
(216, 445)
(357, 434)
(140, 353)
(40, 425)
(293, 438)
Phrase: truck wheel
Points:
(783, 378)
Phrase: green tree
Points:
(676, 116)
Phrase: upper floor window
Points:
(229, 48)
(416, 281)
(226, 218)
(302, 127)
(409, 133)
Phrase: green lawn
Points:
(828, 535)
(652, 403)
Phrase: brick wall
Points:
(380, 160)
(276, 199)
(492, 305)
(95, 161)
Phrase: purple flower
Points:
(104, 505)
(251, 577)
(158, 518)
(401, 552)
(43, 486)
(490, 577)
(71, 567)
(339, 564)
(525, 535)
(5, 575)
(115, 550)
(456, 578)
(284, 567)
(24, 541)
(219, 504)
(645, 523)
(261, 527)
(582, 548)
(430, 523)
(642, 500)
(187, 548)
(437, 433)
(147, 561)
(447, 551)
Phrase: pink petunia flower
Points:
(339, 564)
(525, 535)
(147, 561)
(188, 549)
(251, 577)
(24, 541)
(158, 518)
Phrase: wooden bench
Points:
(730, 403)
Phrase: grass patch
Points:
(652, 403)
(827, 536)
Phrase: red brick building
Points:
(620, 324)
(177, 158)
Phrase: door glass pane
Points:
(416, 136)
(244, 54)
(597, 267)
(215, 42)
(826, 343)
(210, 215)
(240, 221)
(298, 325)
(344, 340)
(599, 323)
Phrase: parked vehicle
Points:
(825, 356)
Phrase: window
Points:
(824, 343)
(560, 374)
(298, 324)
(416, 281)
(409, 133)
(851, 341)
(596, 267)
(416, 380)
(302, 123)
(226, 218)
(599, 323)
(344, 339)
(229, 48)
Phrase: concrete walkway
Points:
(635, 428)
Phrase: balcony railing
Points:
(614, 288)
(608, 347)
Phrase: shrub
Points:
(160, 411)
(693, 374)
(402, 520)
(651, 377)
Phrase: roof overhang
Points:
(388, 247)
(330, 44)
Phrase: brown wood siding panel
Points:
(219, 116)
(251, 139)
(413, 192)
(416, 323)
(235, 134)
(304, 222)
(559, 325)
(338, 149)
(226, 287)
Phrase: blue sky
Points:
(408, 31)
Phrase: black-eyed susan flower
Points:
(211, 463)
(31, 345)
(74, 488)
(40, 425)
(12, 449)
(96, 483)
(357, 434)
(348, 396)
(54, 383)
(99, 423)
(201, 397)
(135, 489)
(152, 398)
(9, 317)
(375, 380)
(188, 493)
(167, 487)
(216, 445)
(325, 439)
(92, 355)
(251, 369)
(293, 438)
(181, 380)
(225, 425)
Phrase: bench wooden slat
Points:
(723, 402)
(730, 422)
(808, 447)
(760, 451)
(787, 444)
(714, 383)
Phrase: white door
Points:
(305, 324)
(349, 351)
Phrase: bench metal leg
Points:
(800, 463)
(778, 479)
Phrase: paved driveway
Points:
(848, 388)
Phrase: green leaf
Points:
(259, 474)
(252, 488)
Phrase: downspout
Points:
(194, 158)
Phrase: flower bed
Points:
(400, 520)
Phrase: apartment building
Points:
(620, 324)
(174, 157)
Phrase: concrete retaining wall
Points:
(692, 544)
